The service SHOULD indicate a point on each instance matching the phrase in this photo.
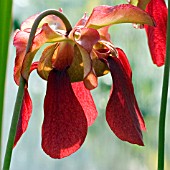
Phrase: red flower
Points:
(71, 66)
(156, 35)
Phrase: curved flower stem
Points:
(15, 118)
(162, 118)
(41, 16)
(20, 94)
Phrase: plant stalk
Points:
(5, 29)
(162, 118)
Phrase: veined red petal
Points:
(125, 13)
(138, 112)
(25, 115)
(85, 99)
(157, 35)
(125, 63)
(121, 113)
(65, 125)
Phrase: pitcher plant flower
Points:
(156, 35)
(71, 65)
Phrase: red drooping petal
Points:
(138, 112)
(25, 115)
(125, 63)
(157, 35)
(65, 125)
(121, 112)
(85, 99)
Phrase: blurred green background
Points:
(102, 150)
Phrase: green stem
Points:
(161, 142)
(5, 29)
(14, 123)
(20, 95)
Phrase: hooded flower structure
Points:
(71, 65)
(156, 35)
